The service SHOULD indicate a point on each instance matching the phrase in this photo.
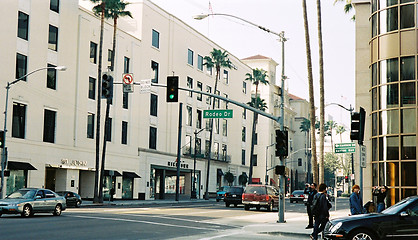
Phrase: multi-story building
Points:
(52, 115)
(386, 87)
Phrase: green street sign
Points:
(345, 148)
(226, 113)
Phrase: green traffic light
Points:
(171, 96)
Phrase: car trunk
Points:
(255, 194)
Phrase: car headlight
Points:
(334, 228)
(14, 205)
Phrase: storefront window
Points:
(409, 174)
(408, 94)
(409, 148)
(407, 16)
(374, 150)
(408, 192)
(392, 174)
(375, 174)
(392, 196)
(127, 187)
(389, 96)
(409, 119)
(15, 181)
(170, 184)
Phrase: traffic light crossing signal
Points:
(357, 125)
(172, 89)
(279, 170)
(1, 139)
(281, 143)
(107, 85)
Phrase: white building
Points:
(52, 115)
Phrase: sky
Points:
(244, 40)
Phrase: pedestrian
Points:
(380, 192)
(310, 190)
(356, 203)
(320, 210)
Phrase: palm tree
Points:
(340, 130)
(217, 60)
(347, 7)
(114, 9)
(311, 93)
(305, 126)
(257, 77)
(329, 126)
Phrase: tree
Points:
(331, 163)
(311, 93)
(348, 6)
(217, 60)
(329, 126)
(229, 177)
(340, 130)
(257, 77)
(114, 9)
(243, 179)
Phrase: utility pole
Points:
(178, 153)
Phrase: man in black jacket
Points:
(311, 191)
(322, 206)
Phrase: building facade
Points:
(52, 115)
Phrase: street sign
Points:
(345, 147)
(339, 172)
(145, 86)
(226, 113)
(362, 156)
(128, 81)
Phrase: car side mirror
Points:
(404, 214)
(37, 197)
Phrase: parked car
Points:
(260, 196)
(233, 196)
(28, 201)
(297, 196)
(221, 193)
(399, 221)
(72, 198)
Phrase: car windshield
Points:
(25, 194)
(224, 188)
(237, 190)
(297, 193)
(255, 190)
(398, 207)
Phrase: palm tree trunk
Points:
(311, 94)
(255, 117)
(321, 95)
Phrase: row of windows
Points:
(23, 31)
(387, 71)
(376, 4)
(395, 174)
(393, 148)
(394, 121)
(393, 18)
(21, 71)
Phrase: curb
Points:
(287, 234)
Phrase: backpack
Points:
(315, 204)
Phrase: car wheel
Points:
(246, 207)
(227, 204)
(27, 211)
(78, 204)
(270, 207)
(258, 208)
(362, 234)
(58, 210)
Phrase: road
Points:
(200, 220)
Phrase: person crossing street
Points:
(310, 190)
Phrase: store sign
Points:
(76, 163)
(174, 164)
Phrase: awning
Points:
(244, 174)
(131, 175)
(115, 173)
(20, 166)
(256, 180)
(220, 172)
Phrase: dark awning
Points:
(115, 173)
(130, 175)
(244, 174)
(20, 166)
(220, 172)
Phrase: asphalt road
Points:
(202, 220)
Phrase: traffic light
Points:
(172, 89)
(346, 179)
(357, 125)
(279, 170)
(1, 139)
(107, 85)
(281, 143)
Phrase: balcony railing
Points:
(188, 151)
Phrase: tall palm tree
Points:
(114, 9)
(321, 94)
(311, 93)
(305, 126)
(340, 130)
(258, 76)
(99, 10)
(329, 127)
(217, 60)
(347, 7)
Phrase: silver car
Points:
(28, 201)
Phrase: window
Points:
(189, 116)
(190, 85)
(207, 146)
(93, 52)
(155, 39)
(207, 124)
(190, 57)
(53, 38)
(49, 126)
(109, 57)
(199, 119)
(126, 65)
(408, 68)
(244, 87)
(255, 160)
(188, 145)
(54, 5)
(153, 105)
(198, 146)
(200, 88)
(51, 77)
(226, 77)
(244, 114)
(224, 127)
(225, 102)
(18, 120)
(23, 25)
(92, 88)
(108, 130)
(208, 98)
(242, 157)
(153, 138)
(200, 62)
(299, 162)
(388, 20)
(407, 16)
(216, 150)
(243, 134)
(255, 138)
(217, 100)
(90, 125)
(21, 66)
(124, 139)
(389, 71)
(209, 70)
(216, 125)
(224, 152)
(154, 67)
(125, 100)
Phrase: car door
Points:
(274, 195)
(39, 201)
(71, 198)
(50, 201)
(406, 224)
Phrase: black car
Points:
(399, 221)
(72, 198)
(233, 196)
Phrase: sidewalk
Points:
(136, 202)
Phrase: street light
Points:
(4, 151)
(194, 163)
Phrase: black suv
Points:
(233, 196)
